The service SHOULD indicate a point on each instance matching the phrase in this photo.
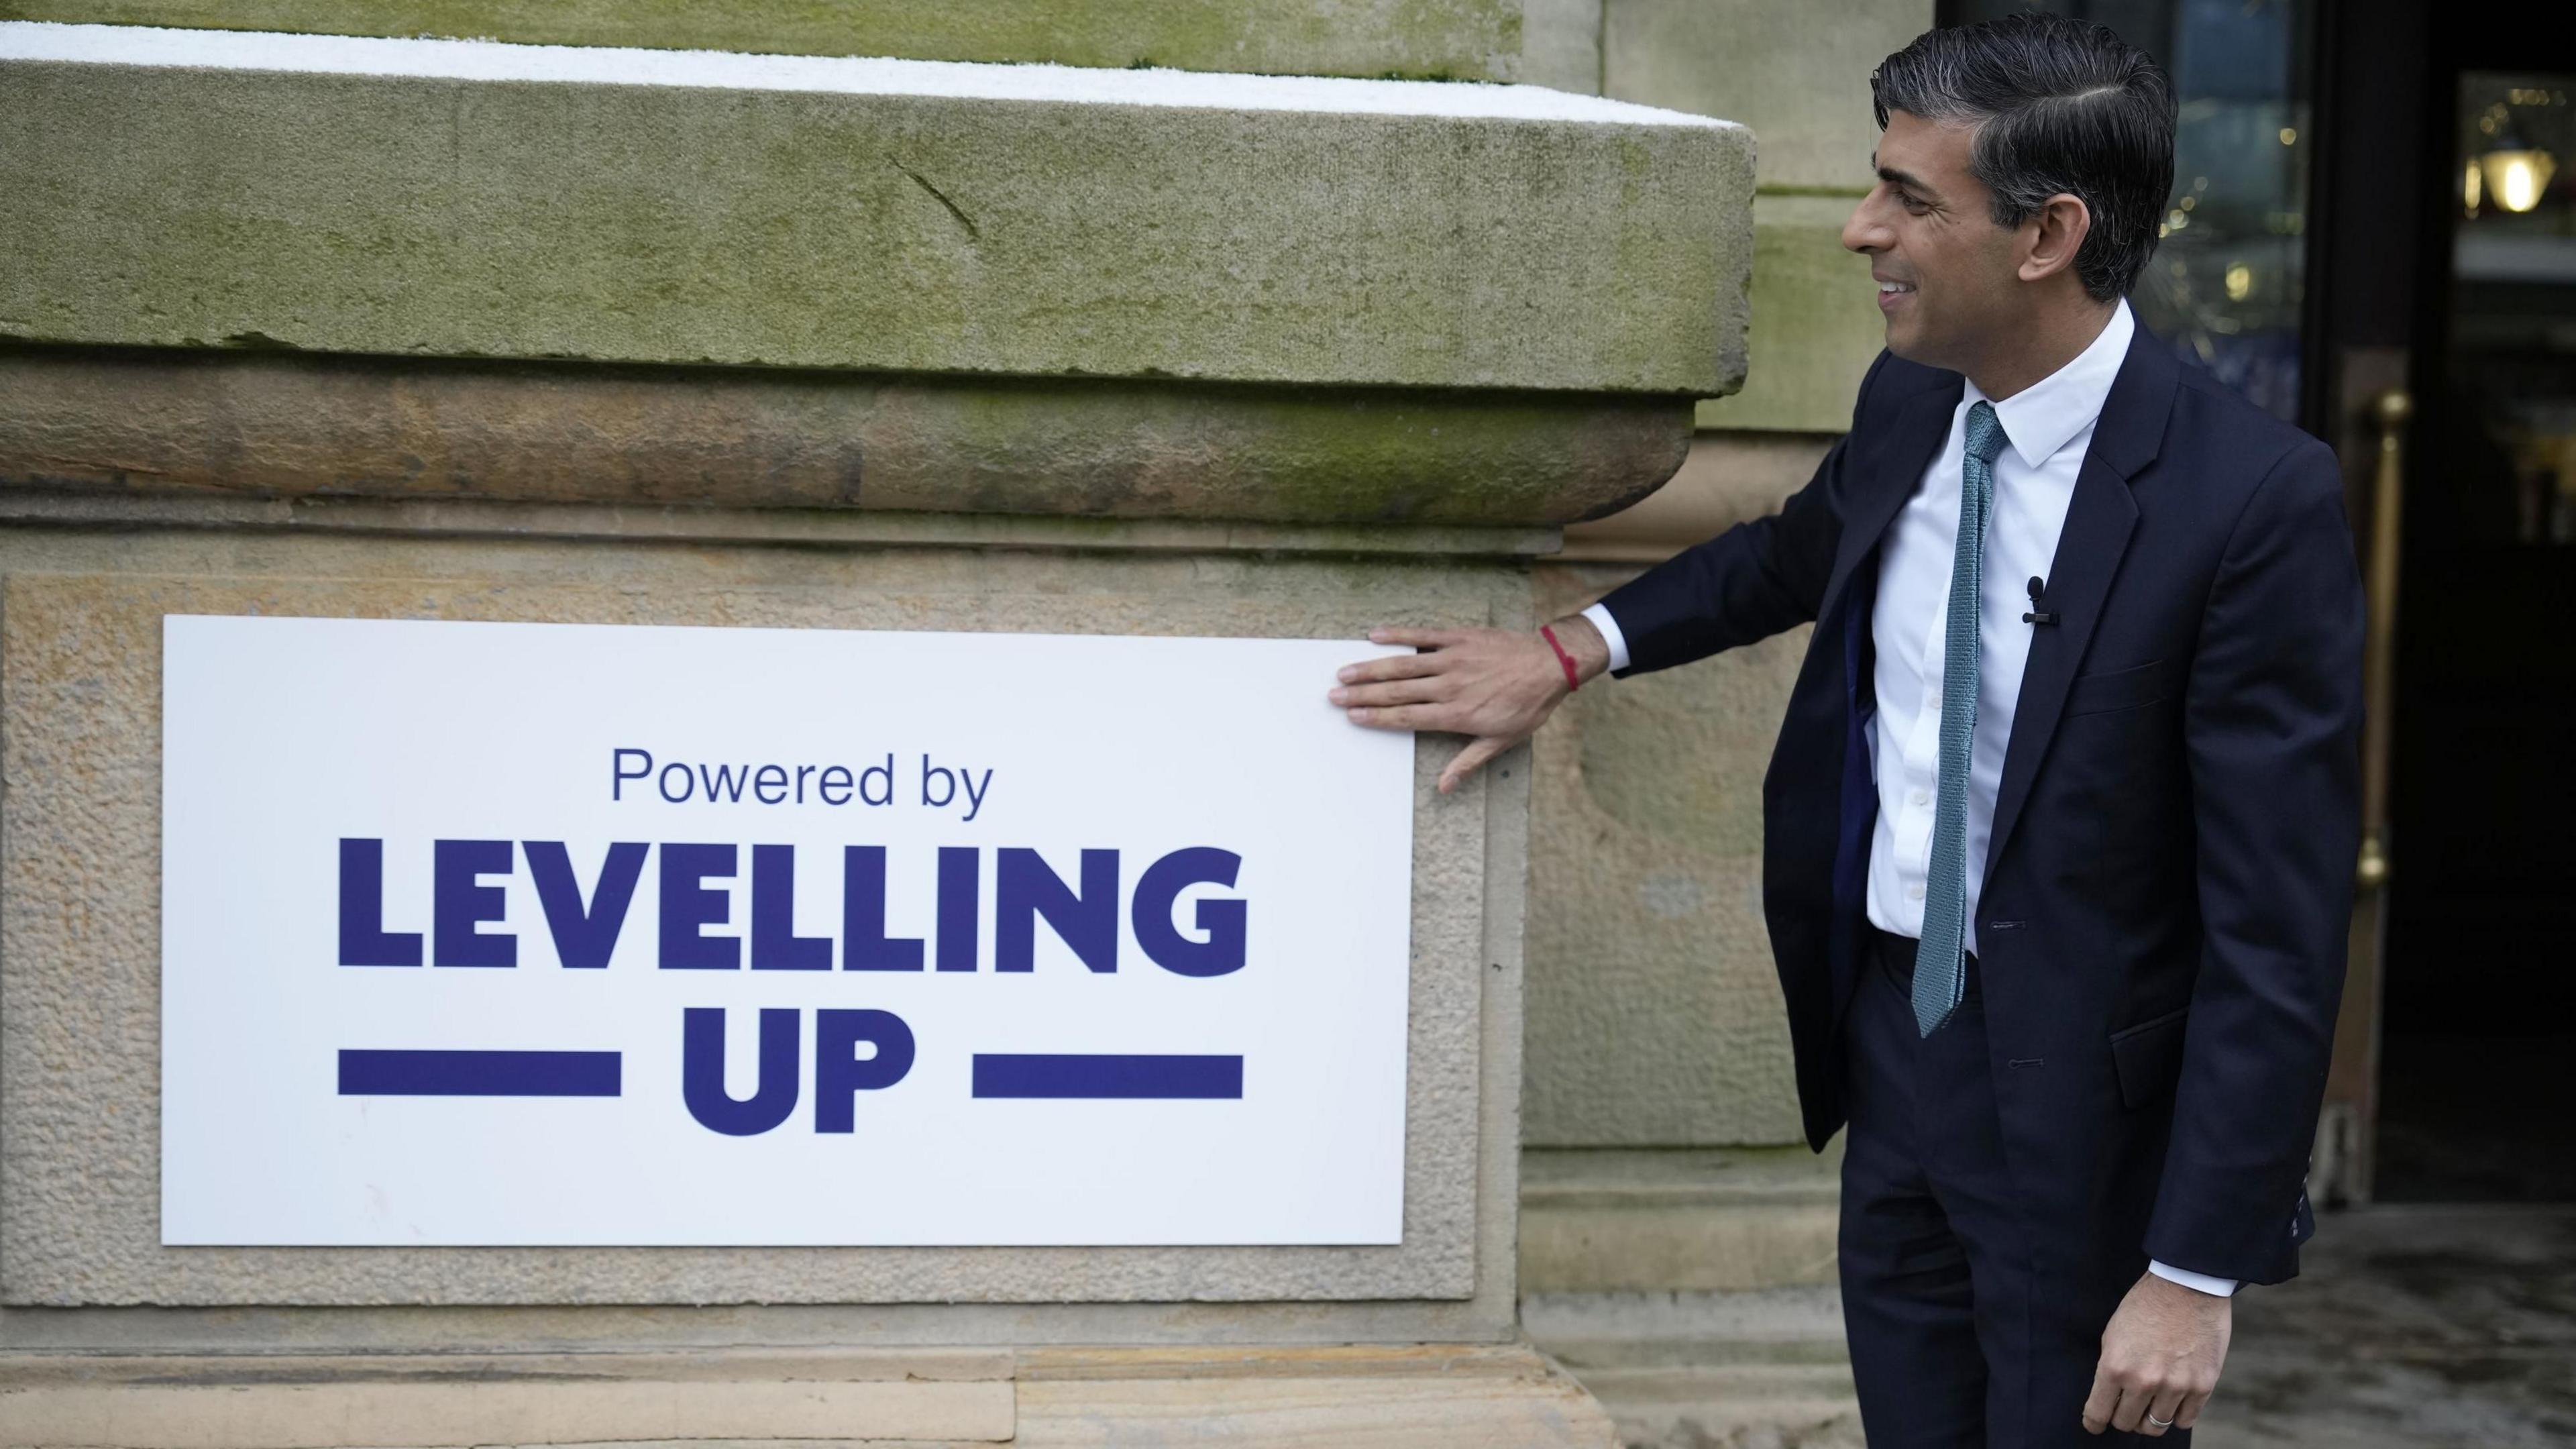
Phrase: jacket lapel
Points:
(1922, 425)
(2099, 520)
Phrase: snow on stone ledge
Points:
(486, 60)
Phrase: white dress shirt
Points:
(2047, 426)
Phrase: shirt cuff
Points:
(2215, 1287)
(1599, 614)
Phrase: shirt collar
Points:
(2045, 416)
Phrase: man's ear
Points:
(2053, 235)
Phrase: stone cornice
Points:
(271, 425)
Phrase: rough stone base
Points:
(1415, 1397)
(1680, 1219)
(1692, 1290)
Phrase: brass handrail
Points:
(2391, 408)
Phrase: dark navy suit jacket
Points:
(2169, 882)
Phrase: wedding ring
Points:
(2159, 1423)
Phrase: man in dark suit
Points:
(2060, 828)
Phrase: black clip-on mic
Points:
(2034, 616)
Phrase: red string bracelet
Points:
(1573, 680)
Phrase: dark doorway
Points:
(2479, 1020)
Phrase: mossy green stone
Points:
(268, 424)
(423, 216)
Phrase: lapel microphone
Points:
(2035, 617)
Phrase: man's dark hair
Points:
(2059, 105)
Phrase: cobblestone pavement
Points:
(2411, 1327)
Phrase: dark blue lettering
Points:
(947, 784)
(585, 936)
(618, 774)
(775, 946)
(364, 941)
(766, 779)
(687, 905)
(724, 780)
(1159, 889)
(1025, 888)
(702, 1073)
(458, 904)
(881, 791)
(688, 782)
(840, 1073)
(864, 944)
(961, 887)
(826, 782)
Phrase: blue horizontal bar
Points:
(1013, 1074)
(480, 1074)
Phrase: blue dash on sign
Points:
(480, 1074)
(1016, 1074)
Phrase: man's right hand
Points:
(1495, 685)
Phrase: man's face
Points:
(1946, 274)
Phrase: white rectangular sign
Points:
(586, 934)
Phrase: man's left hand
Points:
(2160, 1359)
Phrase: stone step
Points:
(1736, 1413)
(1422, 1396)
(1695, 1370)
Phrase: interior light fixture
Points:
(2517, 179)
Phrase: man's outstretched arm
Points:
(1495, 685)
(1499, 685)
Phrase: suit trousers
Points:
(1955, 1339)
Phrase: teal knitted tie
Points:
(1940, 972)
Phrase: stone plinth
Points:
(619, 275)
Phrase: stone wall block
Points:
(1654, 1006)
(1797, 73)
(1655, 1009)
(1816, 326)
